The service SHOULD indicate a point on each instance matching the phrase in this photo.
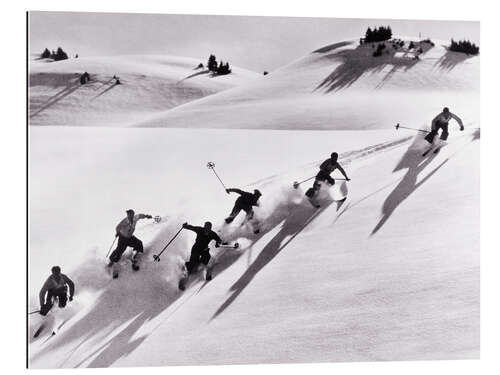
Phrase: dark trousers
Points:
(198, 256)
(236, 210)
(62, 296)
(123, 243)
(321, 177)
(444, 133)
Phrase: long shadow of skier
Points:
(293, 225)
(123, 306)
(415, 163)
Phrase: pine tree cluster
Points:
(464, 46)
(219, 69)
(378, 34)
(56, 56)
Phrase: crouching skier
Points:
(200, 252)
(325, 169)
(246, 201)
(125, 233)
(441, 122)
(55, 287)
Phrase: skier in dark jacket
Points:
(441, 122)
(325, 170)
(125, 233)
(200, 252)
(246, 201)
(56, 286)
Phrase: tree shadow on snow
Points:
(415, 164)
(294, 223)
(70, 88)
(354, 63)
(451, 59)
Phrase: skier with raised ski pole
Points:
(246, 201)
(325, 170)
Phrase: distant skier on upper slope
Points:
(55, 287)
(246, 201)
(325, 170)
(125, 233)
(441, 122)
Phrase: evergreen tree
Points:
(212, 64)
(45, 54)
(60, 54)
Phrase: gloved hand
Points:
(227, 191)
(185, 225)
(347, 179)
(70, 298)
(149, 217)
(462, 128)
(217, 244)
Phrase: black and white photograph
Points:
(239, 189)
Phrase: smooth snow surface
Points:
(149, 84)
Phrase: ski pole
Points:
(34, 312)
(296, 183)
(111, 246)
(157, 257)
(211, 165)
(405, 127)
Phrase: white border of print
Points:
(13, 148)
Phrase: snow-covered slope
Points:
(342, 86)
(149, 84)
(390, 274)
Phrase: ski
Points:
(39, 330)
(427, 151)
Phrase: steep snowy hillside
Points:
(149, 84)
(344, 87)
(392, 273)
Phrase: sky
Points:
(255, 43)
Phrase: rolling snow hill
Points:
(343, 87)
(149, 84)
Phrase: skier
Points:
(441, 122)
(56, 286)
(246, 201)
(200, 252)
(125, 233)
(325, 169)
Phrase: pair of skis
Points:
(434, 148)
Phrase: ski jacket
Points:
(245, 199)
(328, 167)
(126, 228)
(203, 238)
(52, 284)
(441, 120)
